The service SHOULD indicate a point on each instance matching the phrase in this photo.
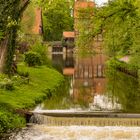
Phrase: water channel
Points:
(91, 87)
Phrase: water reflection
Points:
(90, 85)
(88, 79)
(124, 89)
(86, 76)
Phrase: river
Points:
(92, 87)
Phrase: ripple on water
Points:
(42, 132)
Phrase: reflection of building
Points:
(89, 78)
(69, 65)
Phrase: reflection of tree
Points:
(59, 98)
(125, 89)
(84, 96)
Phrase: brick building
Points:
(80, 8)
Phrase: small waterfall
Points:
(37, 119)
(83, 121)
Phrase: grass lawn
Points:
(26, 96)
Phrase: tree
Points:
(123, 89)
(56, 19)
(1, 34)
(119, 22)
(83, 26)
(10, 13)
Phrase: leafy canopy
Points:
(119, 23)
(56, 18)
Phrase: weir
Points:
(86, 119)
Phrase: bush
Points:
(23, 74)
(32, 59)
(115, 63)
(7, 84)
(41, 49)
(9, 121)
(19, 80)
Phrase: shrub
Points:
(9, 121)
(23, 73)
(32, 59)
(7, 84)
(41, 49)
(19, 80)
(115, 63)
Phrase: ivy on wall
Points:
(9, 17)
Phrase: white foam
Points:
(43, 132)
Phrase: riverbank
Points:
(26, 96)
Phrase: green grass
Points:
(27, 96)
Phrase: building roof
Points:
(68, 71)
(68, 34)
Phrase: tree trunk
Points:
(3, 53)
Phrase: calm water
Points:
(89, 86)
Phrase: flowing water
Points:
(43, 132)
(90, 87)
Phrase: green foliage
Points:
(10, 121)
(60, 96)
(1, 34)
(56, 19)
(11, 50)
(32, 59)
(115, 63)
(26, 96)
(83, 26)
(28, 19)
(8, 9)
(6, 83)
(23, 74)
(9, 17)
(124, 89)
(120, 37)
(41, 49)
(119, 23)
(10, 84)
(135, 60)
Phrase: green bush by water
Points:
(10, 121)
(32, 59)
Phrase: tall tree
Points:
(119, 22)
(56, 18)
(10, 12)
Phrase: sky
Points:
(100, 2)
